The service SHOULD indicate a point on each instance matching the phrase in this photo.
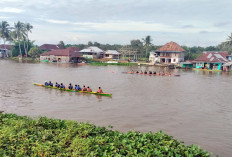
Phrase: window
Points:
(174, 60)
(107, 55)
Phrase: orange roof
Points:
(171, 47)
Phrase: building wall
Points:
(199, 65)
(62, 59)
(175, 57)
(110, 56)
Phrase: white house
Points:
(112, 54)
(92, 52)
(169, 53)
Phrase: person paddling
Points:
(46, 83)
(50, 84)
(70, 86)
(99, 90)
(57, 85)
(79, 88)
(84, 88)
(62, 86)
(89, 89)
(145, 72)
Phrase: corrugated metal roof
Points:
(49, 47)
(211, 56)
(92, 49)
(70, 51)
(112, 52)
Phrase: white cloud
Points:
(11, 10)
(56, 21)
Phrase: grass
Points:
(105, 64)
(22, 136)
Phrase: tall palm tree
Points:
(19, 33)
(229, 39)
(4, 31)
(147, 43)
(28, 28)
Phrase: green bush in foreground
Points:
(23, 136)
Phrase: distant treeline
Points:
(18, 37)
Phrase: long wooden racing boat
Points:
(150, 74)
(69, 90)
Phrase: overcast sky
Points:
(187, 22)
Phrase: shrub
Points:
(23, 136)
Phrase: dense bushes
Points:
(23, 136)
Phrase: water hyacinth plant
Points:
(24, 136)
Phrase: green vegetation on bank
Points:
(23, 136)
(105, 64)
(26, 59)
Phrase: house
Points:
(92, 52)
(48, 47)
(5, 50)
(169, 53)
(212, 60)
(112, 54)
(70, 54)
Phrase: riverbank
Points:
(24, 59)
(23, 136)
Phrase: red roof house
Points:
(62, 55)
(211, 60)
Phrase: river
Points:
(195, 108)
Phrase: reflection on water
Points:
(195, 107)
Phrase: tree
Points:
(34, 52)
(27, 27)
(90, 43)
(19, 33)
(147, 43)
(61, 45)
(229, 40)
(96, 44)
(5, 31)
(136, 44)
(227, 45)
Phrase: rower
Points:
(99, 90)
(50, 84)
(154, 72)
(70, 86)
(150, 72)
(62, 86)
(84, 88)
(57, 85)
(145, 72)
(78, 87)
(46, 83)
(89, 89)
(141, 72)
(137, 72)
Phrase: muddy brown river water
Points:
(195, 108)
